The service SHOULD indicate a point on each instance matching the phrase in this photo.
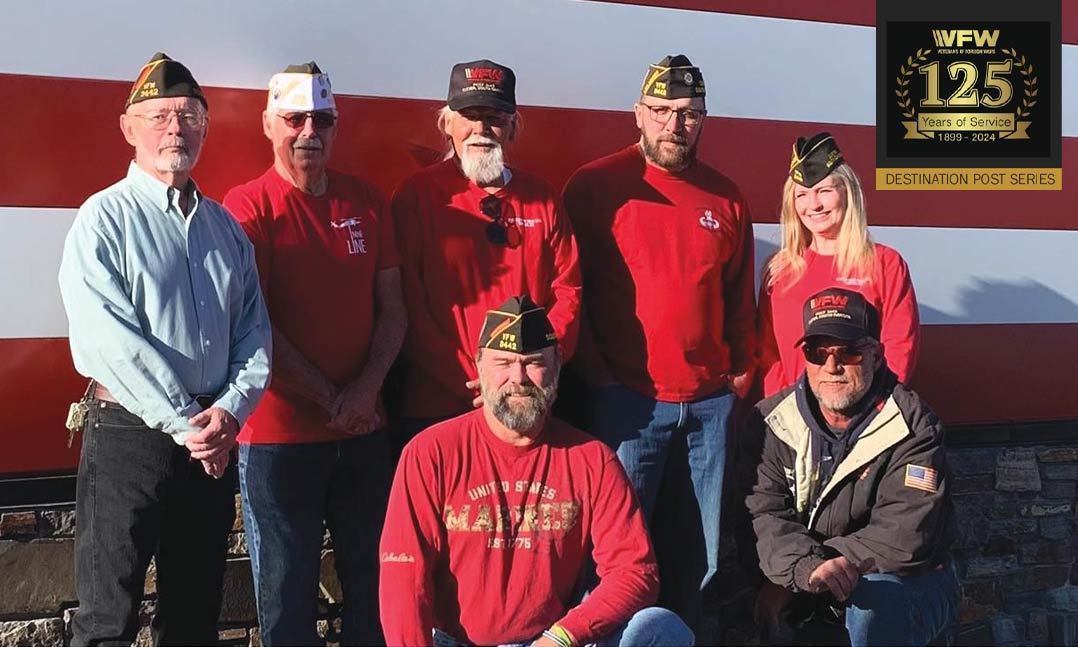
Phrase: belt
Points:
(103, 394)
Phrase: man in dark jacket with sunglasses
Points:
(472, 233)
(317, 450)
(851, 501)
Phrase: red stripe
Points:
(39, 383)
(69, 147)
(846, 12)
(979, 373)
(967, 373)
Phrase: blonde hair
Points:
(856, 253)
(446, 115)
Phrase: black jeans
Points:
(139, 495)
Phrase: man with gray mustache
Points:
(167, 319)
(494, 514)
(316, 454)
(474, 231)
(849, 491)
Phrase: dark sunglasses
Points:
(321, 120)
(851, 355)
(498, 231)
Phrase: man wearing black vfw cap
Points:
(667, 338)
(166, 316)
(494, 514)
(850, 500)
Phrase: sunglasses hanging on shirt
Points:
(503, 228)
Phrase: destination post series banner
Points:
(968, 95)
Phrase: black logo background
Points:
(1028, 39)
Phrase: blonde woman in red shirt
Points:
(825, 243)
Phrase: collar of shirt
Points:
(158, 193)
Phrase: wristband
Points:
(558, 634)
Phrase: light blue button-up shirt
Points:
(163, 305)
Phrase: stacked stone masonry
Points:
(1016, 509)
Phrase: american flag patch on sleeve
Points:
(921, 478)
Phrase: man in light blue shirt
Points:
(166, 317)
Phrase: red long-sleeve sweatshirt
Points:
(667, 260)
(452, 274)
(487, 541)
(781, 323)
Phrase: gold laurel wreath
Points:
(905, 72)
(1025, 69)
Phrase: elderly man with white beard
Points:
(167, 320)
(472, 232)
(494, 514)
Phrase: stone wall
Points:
(37, 584)
(1016, 510)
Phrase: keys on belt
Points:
(77, 412)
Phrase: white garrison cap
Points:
(301, 87)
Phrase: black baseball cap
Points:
(842, 314)
(482, 83)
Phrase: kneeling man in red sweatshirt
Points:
(492, 514)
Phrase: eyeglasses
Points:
(321, 120)
(851, 355)
(662, 114)
(503, 230)
(161, 120)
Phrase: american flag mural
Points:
(995, 272)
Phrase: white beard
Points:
(482, 168)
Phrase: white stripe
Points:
(566, 53)
(961, 275)
(979, 276)
(30, 251)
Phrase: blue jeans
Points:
(647, 627)
(674, 453)
(886, 609)
(291, 492)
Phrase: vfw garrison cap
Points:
(814, 158)
(304, 88)
(674, 77)
(839, 313)
(482, 83)
(163, 77)
(518, 326)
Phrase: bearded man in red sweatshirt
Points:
(667, 340)
(492, 515)
(473, 232)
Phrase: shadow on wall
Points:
(979, 301)
(983, 301)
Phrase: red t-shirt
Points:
(781, 322)
(317, 259)
(488, 542)
(452, 275)
(667, 261)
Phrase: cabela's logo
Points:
(966, 87)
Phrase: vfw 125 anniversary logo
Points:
(968, 95)
(968, 87)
